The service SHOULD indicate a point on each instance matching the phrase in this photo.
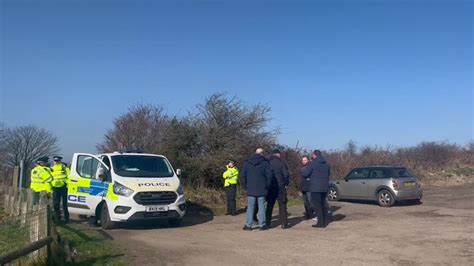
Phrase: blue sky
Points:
(376, 72)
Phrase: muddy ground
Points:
(439, 231)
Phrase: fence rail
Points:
(25, 227)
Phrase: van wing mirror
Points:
(178, 172)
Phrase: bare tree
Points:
(226, 128)
(28, 143)
(142, 127)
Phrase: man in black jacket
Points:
(304, 188)
(256, 177)
(318, 172)
(279, 183)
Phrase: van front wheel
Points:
(105, 221)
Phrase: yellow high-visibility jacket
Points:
(60, 174)
(41, 179)
(231, 176)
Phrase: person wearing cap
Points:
(231, 177)
(318, 172)
(60, 174)
(41, 178)
(277, 190)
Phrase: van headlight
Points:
(122, 190)
(180, 190)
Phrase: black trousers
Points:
(307, 205)
(230, 193)
(60, 195)
(272, 197)
(318, 202)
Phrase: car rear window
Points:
(401, 172)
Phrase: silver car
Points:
(386, 184)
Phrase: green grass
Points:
(12, 235)
(294, 202)
(92, 246)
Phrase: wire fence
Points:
(25, 227)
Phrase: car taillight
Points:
(395, 185)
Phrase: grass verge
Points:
(91, 246)
(214, 199)
(13, 235)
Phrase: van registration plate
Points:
(156, 208)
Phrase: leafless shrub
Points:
(142, 127)
(223, 128)
(27, 143)
(425, 159)
(220, 129)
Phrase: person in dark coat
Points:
(318, 172)
(256, 178)
(304, 189)
(277, 191)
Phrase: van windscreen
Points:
(141, 166)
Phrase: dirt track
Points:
(440, 231)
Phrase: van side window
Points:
(106, 161)
(87, 166)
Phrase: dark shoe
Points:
(246, 228)
(263, 228)
(318, 226)
(284, 226)
(233, 214)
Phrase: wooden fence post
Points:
(48, 233)
(6, 204)
(16, 176)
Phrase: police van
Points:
(125, 187)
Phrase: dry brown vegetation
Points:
(435, 163)
(223, 128)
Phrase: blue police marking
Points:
(97, 188)
(76, 198)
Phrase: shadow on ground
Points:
(87, 245)
(292, 221)
(195, 214)
(374, 203)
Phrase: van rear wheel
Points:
(105, 221)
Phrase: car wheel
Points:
(105, 221)
(333, 194)
(385, 198)
(175, 222)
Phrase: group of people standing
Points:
(53, 180)
(266, 181)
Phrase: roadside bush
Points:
(425, 160)
(219, 129)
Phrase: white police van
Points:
(125, 187)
